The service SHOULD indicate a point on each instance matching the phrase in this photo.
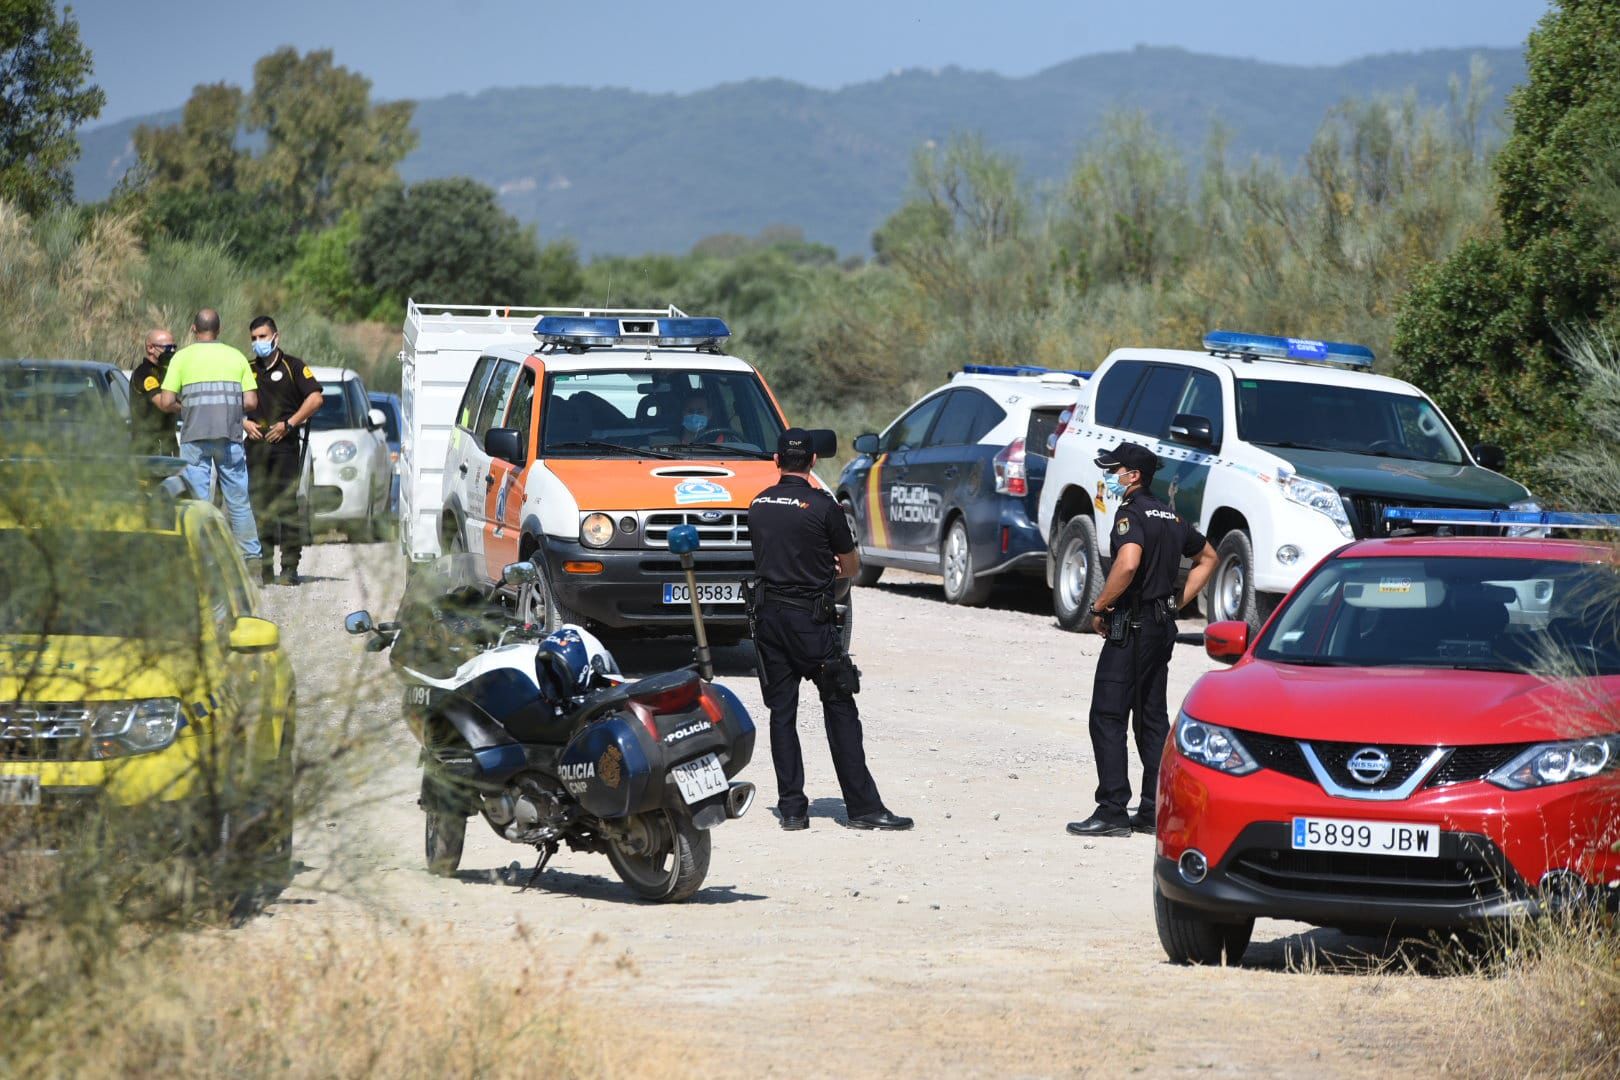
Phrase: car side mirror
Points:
(1226, 641)
(1190, 430)
(520, 573)
(504, 443)
(253, 635)
(358, 622)
(866, 444)
(1489, 456)
(375, 419)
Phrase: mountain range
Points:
(626, 172)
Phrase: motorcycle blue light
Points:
(1231, 343)
(683, 539)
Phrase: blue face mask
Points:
(1116, 487)
(694, 422)
(263, 347)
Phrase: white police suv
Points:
(1281, 449)
(951, 486)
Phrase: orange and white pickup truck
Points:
(577, 439)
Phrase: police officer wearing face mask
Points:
(802, 548)
(1135, 614)
(289, 394)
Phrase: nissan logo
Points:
(1369, 765)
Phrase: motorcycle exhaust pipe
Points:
(739, 798)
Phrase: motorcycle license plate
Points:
(700, 779)
(1367, 837)
(19, 791)
(709, 592)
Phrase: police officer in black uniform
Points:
(1136, 615)
(802, 549)
(289, 394)
(152, 431)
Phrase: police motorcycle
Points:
(544, 738)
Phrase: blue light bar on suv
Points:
(599, 332)
(1021, 369)
(1543, 519)
(1230, 343)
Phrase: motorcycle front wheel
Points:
(662, 857)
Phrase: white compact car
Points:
(1280, 449)
(348, 472)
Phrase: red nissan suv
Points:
(1424, 735)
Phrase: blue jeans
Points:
(208, 458)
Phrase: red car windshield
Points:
(1543, 617)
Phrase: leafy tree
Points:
(329, 149)
(44, 97)
(447, 241)
(1481, 330)
(1128, 200)
(324, 271)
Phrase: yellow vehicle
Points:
(135, 669)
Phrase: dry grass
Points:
(232, 1004)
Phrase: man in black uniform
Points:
(802, 548)
(1136, 616)
(289, 394)
(152, 431)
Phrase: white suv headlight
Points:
(1319, 497)
(1214, 746)
(1559, 762)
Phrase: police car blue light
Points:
(1261, 346)
(1542, 519)
(1019, 369)
(598, 332)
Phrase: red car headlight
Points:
(1214, 746)
(1559, 762)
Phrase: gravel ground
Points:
(986, 941)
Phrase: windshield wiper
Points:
(1315, 661)
(715, 450)
(597, 444)
(1285, 445)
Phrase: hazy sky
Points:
(150, 53)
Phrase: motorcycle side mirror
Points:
(359, 622)
(683, 539)
(520, 573)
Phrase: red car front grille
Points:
(1461, 765)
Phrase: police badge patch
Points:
(1124, 526)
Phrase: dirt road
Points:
(986, 941)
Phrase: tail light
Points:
(1011, 479)
(676, 699)
(1068, 418)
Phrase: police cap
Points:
(802, 442)
(1131, 456)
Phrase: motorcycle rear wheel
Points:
(674, 867)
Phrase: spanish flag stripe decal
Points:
(877, 524)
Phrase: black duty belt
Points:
(803, 603)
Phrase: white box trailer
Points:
(442, 343)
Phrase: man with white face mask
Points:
(289, 394)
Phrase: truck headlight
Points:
(596, 530)
(341, 451)
(1213, 745)
(1530, 506)
(119, 728)
(1559, 762)
(1319, 497)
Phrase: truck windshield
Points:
(1343, 419)
(85, 583)
(668, 412)
(1535, 616)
